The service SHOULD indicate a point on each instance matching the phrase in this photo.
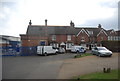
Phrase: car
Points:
(78, 49)
(101, 51)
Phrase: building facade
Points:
(65, 36)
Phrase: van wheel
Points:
(55, 53)
(45, 54)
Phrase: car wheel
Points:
(93, 53)
(110, 55)
(45, 54)
(99, 55)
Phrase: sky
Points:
(16, 14)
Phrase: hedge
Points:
(112, 45)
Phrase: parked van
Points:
(45, 50)
(78, 49)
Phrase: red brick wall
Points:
(63, 38)
(82, 35)
(102, 35)
(33, 40)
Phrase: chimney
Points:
(72, 24)
(45, 22)
(99, 26)
(30, 22)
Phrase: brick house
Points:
(113, 35)
(65, 36)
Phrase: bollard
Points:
(104, 70)
(108, 70)
(78, 78)
(75, 56)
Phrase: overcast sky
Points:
(15, 14)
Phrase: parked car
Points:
(61, 50)
(101, 51)
(45, 50)
(78, 49)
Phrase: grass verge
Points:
(82, 55)
(100, 75)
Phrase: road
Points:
(61, 66)
(33, 67)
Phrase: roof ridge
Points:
(49, 25)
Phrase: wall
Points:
(82, 35)
(102, 35)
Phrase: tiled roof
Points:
(92, 29)
(41, 30)
(111, 32)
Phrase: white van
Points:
(45, 50)
(78, 49)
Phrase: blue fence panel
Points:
(19, 51)
(28, 51)
(9, 51)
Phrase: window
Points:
(69, 37)
(102, 38)
(82, 39)
(109, 38)
(53, 37)
(118, 37)
(114, 37)
(54, 45)
(69, 46)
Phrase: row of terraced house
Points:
(66, 36)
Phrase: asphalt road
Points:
(33, 67)
(61, 66)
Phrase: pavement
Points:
(61, 66)
(86, 65)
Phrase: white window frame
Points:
(69, 37)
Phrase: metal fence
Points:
(10, 51)
(28, 51)
(18, 51)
